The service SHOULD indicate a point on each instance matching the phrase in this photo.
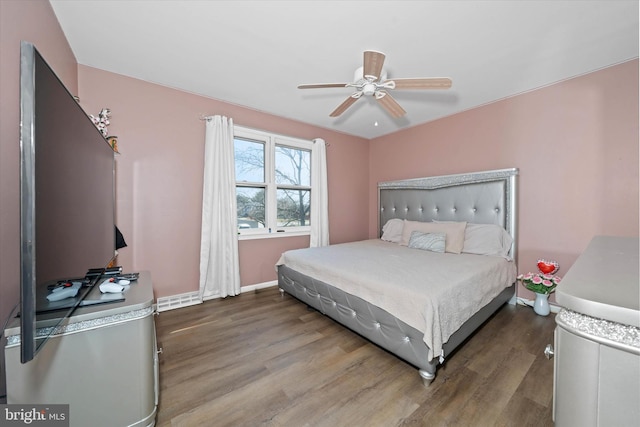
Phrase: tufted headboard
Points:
(479, 197)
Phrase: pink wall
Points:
(575, 143)
(32, 21)
(159, 178)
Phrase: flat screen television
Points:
(67, 207)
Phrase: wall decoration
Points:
(102, 121)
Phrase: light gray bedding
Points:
(432, 292)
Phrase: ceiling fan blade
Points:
(373, 62)
(346, 104)
(422, 83)
(390, 104)
(322, 85)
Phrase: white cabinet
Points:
(597, 383)
(597, 338)
(103, 363)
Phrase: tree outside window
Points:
(273, 182)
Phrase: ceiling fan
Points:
(371, 80)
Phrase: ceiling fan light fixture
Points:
(369, 88)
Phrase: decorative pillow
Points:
(392, 230)
(454, 232)
(485, 239)
(434, 242)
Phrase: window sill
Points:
(275, 235)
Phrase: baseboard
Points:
(529, 303)
(193, 298)
(255, 287)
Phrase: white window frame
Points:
(271, 140)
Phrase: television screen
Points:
(67, 198)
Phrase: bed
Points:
(444, 263)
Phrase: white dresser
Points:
(597, 338)
(103, 363)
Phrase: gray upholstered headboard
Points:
(479, 197)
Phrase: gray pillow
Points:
(454, 233)
(434, 242)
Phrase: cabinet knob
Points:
(548, 351)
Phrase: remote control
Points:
(64, 292)
(132, 277)
(109, 286)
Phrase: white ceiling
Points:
(255, 53)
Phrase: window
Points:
(273, 183)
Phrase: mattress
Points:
(434, 293)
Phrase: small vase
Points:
(541, 304)
(113, 141)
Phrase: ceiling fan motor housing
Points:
(358, 75)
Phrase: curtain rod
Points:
(204, 118)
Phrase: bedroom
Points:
(553, 135)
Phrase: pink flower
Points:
(547, 282)
(536, 280)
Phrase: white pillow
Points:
(485, 239)
(392, 230)
(454, 232)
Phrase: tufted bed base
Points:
(377, 325)
(481, 197)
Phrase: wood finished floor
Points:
(260, 359)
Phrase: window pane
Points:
(293, 166)
(250, 201)
(249, 156)
(293, 208)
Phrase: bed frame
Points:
(480, 197)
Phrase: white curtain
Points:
(219, 265)
(319, 195)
